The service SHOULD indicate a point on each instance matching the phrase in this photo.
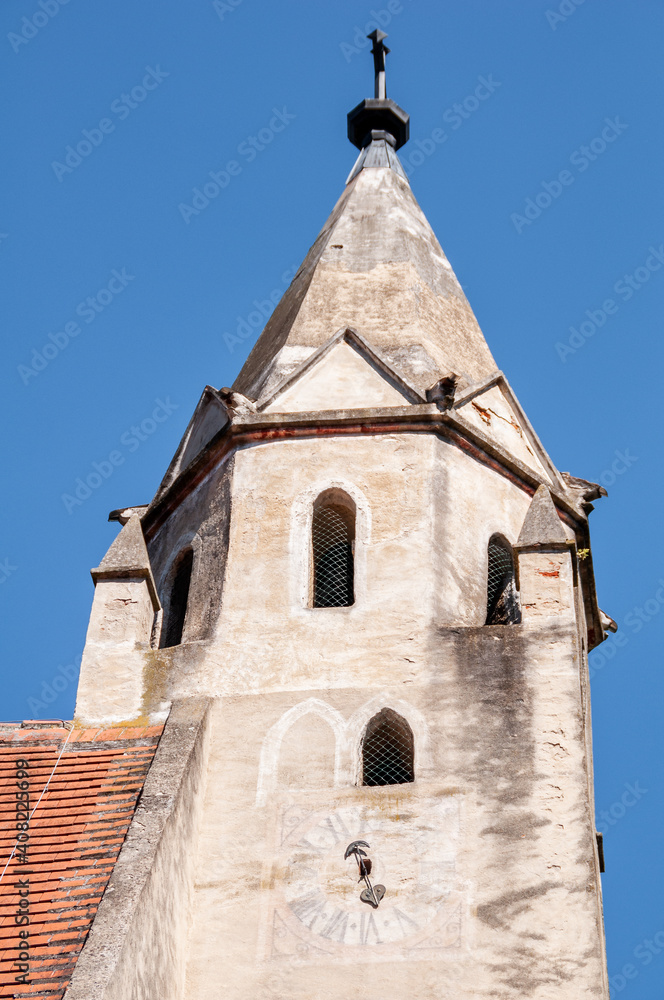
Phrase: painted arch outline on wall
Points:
(302, 513)
(348, 737)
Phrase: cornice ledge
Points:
(247, 427)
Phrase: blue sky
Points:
(546, 193)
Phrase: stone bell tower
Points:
(362, 601)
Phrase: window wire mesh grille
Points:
(502, 605)
(387, 751)
(332, 540)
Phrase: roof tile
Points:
(75, 837)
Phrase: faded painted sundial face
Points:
(318, 909)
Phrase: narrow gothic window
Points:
(502, 602)
(177, 604)
(387, 750)
(333, 539)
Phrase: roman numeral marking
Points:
(309, 846)
(336, 828)
(309, 908)
(406, 925)
(335, 928)
(368, 930)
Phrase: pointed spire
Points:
(377, 268)
(541, 526)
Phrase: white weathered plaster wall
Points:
(489, 856)
(492, 413)
(340, 381)
(267, 637)
(509, 900)
(420, 558)
(112, 683)
(546, 580)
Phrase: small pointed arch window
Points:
(333, 550)
(388, 756)
(178, 597)
(502, 599)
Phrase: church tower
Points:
(360, 604)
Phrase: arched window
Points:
(387, 750)
(333, 542)
(502, 601)
(176, 608)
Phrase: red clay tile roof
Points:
(74, 839)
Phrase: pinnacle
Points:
(541, 525)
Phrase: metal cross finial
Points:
(379, 51)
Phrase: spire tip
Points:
(378, 114)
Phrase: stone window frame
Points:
(348, 736)
(165, 585)
(302, 579)
(499, 538)
(357, 726)
(405, 763)
(344, 505)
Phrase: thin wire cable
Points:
(9, 860)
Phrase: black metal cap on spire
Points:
(378, 114)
